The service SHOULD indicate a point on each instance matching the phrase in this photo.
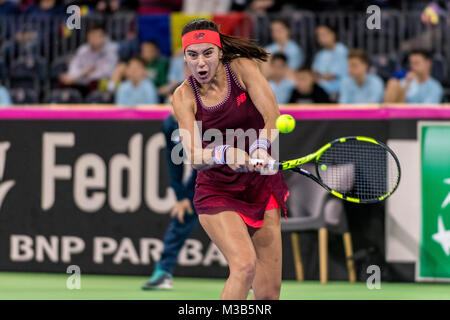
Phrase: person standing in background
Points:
(184, 218)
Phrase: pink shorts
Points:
(273, 204)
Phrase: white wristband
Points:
(219, 153)
(259, 144)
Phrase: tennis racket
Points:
(356, 169)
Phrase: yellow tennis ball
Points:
(285, 123)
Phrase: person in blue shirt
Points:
(360, 86)
(330, 63)
(280, 79)
(184, 218)
(280, 31)
(5, 99)
(418, 86)
(138, 89)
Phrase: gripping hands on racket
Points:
(239, 160)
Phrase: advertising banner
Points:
(91, 188)
(434, 260)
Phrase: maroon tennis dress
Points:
(221, 188)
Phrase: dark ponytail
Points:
(232, 47)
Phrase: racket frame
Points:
(295, 163)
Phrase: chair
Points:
(100, 97)
(24, 96)
(3, 72)
(59, 66)
(311, 207)
(384, 65)
(439, 69)
(68, 96)
(27, 72)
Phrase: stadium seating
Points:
(64, 96)
(100, 97)
(24, 96)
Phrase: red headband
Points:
(201, 36)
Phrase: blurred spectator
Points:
(280, 31)
(177, 73)
(92, 62)
(45, 7)
(264, 6)
(138, 89)
(157, 67)
(330, 63)
(306, 90)
(418, 86)
(8, 8)
(159, 6)
(206, 6)
(115, 6)
(360, 86)
(33, 35)
(279, 80)
(5, 99)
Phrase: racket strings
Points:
(358, 169)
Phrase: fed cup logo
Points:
(199, 36)
(5, 186)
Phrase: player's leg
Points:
(229, 233)
(267, 243)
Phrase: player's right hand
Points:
(239, 160)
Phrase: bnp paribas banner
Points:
(434, 259)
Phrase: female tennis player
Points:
(238, 207)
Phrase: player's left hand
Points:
(180, 208)
(263, 167)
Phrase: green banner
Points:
(434, 260)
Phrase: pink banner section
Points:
(311, 112)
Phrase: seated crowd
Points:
(335, 74)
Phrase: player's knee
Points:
(244, 268)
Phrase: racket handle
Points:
(273, 164)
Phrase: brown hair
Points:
(359, 54)
(232, 47)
